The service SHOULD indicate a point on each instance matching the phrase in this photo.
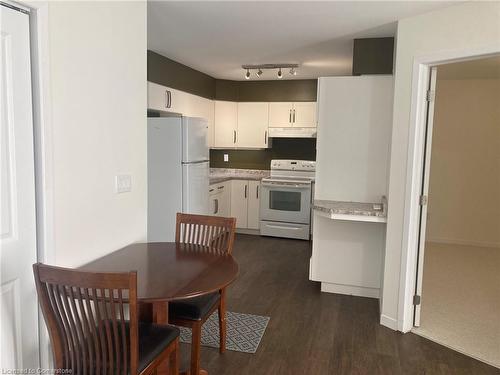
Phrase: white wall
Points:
(97, 53)
(469, 25)
(464, 191)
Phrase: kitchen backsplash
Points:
(282, 148)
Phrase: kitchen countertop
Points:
(352, 211)
(218, 175)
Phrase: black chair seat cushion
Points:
(153, 340)
(193, 308)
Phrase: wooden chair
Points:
(217, 234)
(86, 315)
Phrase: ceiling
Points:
(216, 38)
(485, 68)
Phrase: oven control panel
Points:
(293, 165)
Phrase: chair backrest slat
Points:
(215, 233)
(85, 313)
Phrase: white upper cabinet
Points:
(304, 114)
(226, 123)
(253, 119)
(292, 114)
(166, 99)
(280, 114)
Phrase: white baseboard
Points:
(388, 322)
(351, 290)
(461, 242)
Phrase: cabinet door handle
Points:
(216, 206)
(246, 186)
(265, 137)
(168, 99)
(257, 192)
(294, 116)
(234, 136)
(290, 117)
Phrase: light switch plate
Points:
(226, 157)
(123, 183)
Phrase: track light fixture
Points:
(261, 67)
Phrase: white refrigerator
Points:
(178, 168)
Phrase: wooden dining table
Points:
(168, 271)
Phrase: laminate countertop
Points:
(352, 211)
(218, 175)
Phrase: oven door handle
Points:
(287, 185)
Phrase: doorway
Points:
(458, 276)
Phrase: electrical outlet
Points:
(123, 183)
(226, 157)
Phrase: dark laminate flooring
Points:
(317, 333)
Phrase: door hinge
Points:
(423, 200)
(416, 300)
(430, 96)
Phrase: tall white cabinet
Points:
(354, 132)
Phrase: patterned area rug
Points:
(244, 332)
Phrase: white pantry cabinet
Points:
(292, 114)
(245, 203)
(226, 123)
(253, 119)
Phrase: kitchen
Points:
(301, 126)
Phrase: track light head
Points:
(280, 74)
(259, 73)
(247, 76)
(293, 72)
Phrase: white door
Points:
(253, 119)
(253, 219)
(280, 114)
(425, 193)
(239, 202)
(18, 302)
(225, 122)
(304, 115)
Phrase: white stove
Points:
(285, 203)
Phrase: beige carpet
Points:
(461, 299)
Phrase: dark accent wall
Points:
(170, 73)
(302, 90)
(282, 148)
(373, 56)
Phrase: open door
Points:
(424, 194)
(18, 302)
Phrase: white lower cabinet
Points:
(239, 202)
(253, 220)
(245, 203)
(220, 199)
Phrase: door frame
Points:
(415, 168)
(43, 149)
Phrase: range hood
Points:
(292, 132)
